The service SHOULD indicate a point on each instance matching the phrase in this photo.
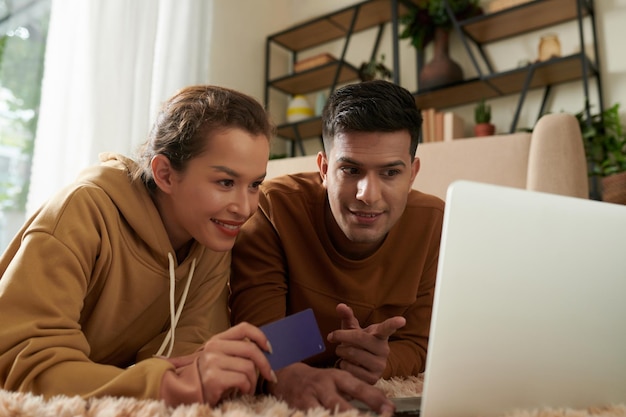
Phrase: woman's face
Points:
(217, 192)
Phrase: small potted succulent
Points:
(482, 118)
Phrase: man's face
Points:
(368, 176)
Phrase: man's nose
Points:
(368, 189)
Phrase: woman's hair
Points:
(190, 116)
(371, 106)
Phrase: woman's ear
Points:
(162, 173)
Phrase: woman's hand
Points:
(227, 363)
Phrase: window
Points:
(23, 32)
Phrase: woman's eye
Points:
(227, 183)
(256, 185)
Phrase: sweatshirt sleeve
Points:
(408, 345)
(258, 280)
(42, 347)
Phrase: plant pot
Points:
(614, 188)
(484, 129)
(441, 70)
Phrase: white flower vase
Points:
(299, 109)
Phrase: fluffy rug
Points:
(27, 405)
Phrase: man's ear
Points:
(322, 166)
(162, 173)
(415, 168)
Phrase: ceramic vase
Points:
(299, 109)
(441, 70)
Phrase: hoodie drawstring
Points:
(174, 316)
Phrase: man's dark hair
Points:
(371, 106)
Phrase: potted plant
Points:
(375, 69)
(428, 21)
(482, 119)
(604, 137)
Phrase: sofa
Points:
(550, 159)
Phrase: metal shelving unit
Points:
(478, 31)
(506, 24)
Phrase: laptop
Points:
(530, 304)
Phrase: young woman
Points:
(118, 285)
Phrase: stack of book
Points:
(440, 126)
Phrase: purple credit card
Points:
(293, 338)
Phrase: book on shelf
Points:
(438, 136)
(312, 62)
(428, 125)
(439, 126)
(453, 126)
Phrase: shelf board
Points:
(315, 79)
(455, 95)
(336, 25)
(552, 72)
(308, 128)
(520, 19)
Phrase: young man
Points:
(354, 242)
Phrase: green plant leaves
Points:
(604, 137)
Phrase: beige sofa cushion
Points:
(552, 160)
(501, 160)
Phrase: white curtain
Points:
(109, 64)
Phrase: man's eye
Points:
(392, 172)
(350, 170)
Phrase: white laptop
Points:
(530, 304)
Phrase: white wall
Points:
(241, 27)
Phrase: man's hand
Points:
(363, 352)
(304, 387)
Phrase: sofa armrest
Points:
(556, 162)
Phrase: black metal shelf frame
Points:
(583, 8)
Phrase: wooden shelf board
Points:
(455, 95)
(554, 71)
(308, 128)
(308, 35)
(315, 79)
(336, 25)
(520, 19)
(371, 14)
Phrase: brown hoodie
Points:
(84, 287)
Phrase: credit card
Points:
(293, 338)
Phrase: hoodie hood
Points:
(132, 199)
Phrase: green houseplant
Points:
(375, 69)
(426, 16)
(482, 119)
(604, 138)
